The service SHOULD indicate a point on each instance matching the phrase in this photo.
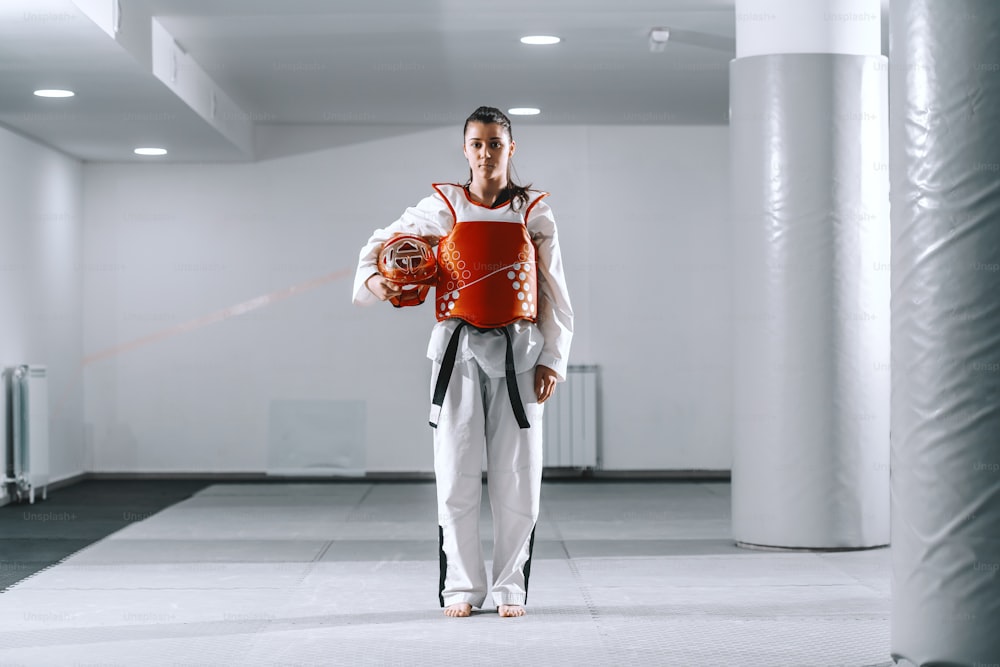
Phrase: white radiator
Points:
(4, 436)
(26, 436)
(570, 421)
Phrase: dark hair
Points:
(487, 116)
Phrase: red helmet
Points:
(408, 260)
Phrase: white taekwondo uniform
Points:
(477, 412)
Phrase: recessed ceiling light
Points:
(658, 38)
(150, 151)
(659, 34)
(52, 92)
(524, 111)
(540, 39)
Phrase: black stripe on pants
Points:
(527, 564)
(443, 561)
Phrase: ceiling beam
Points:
(135, 29)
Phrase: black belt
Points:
(448, 365)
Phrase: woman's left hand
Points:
(545, 382)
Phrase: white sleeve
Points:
(431, 219)
(555, 313)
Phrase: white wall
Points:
(660, 283)
(41, 271)
(642, 214)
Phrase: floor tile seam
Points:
(625, 626)
(430, 558)
(633, 621)
(609, 640)
(92, 589)
(319, 556)
(614, 621)
(652, 511)
(727, 585)
(883, 589)
(614, 611)
(220, 539)
(582, 587)
(175, 567)
(132, 563)
(180, 563)
(863, 582)
(702, 557)
(357, 506)
(260, 538)
(207, 630)
(682, 611)
(553, 526)
(644, 535)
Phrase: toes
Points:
(511, 611)
(458, 610)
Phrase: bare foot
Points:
(459, 609)
(511, 610)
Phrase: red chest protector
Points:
(486, 266)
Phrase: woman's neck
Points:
(486, 192)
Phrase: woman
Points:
(501, 271)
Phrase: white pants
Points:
(477, 413)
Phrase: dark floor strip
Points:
(34, 537)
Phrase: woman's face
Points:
(488, 149)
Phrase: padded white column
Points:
(945, 170)
(811, 293)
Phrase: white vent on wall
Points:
(570, 422)
(26, 434)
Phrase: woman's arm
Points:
(555, 312)
(431, 219)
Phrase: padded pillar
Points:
(945, 170)
(809, 180)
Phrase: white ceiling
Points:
(355, 62)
